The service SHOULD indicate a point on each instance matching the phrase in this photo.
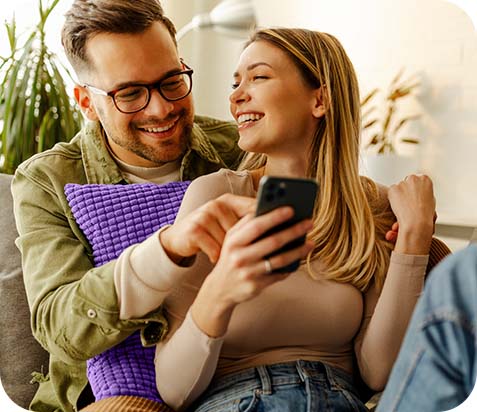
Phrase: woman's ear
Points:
(321, 103)
(85, 103)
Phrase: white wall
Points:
(212, 55)
(432, 38)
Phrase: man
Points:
(135, 92)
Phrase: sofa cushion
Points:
(20, 353)
(113, 217)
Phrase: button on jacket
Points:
(75, 313)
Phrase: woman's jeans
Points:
(301, 386)
(436, 367)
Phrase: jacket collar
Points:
(201, 144)
(100, 168)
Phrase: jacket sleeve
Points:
(74, 306)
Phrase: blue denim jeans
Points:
(436, 367)
(300, 386)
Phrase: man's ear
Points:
(83, 98)
(321, 102)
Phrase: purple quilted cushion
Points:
(113, 217)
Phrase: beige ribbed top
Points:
(298, 318)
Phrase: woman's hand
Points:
(412, 201)
(241, 273)
(204, 229)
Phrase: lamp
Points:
(232, 17)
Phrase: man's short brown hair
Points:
(87, 18)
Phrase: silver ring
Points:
(268, 266)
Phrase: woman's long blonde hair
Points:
(348, 228)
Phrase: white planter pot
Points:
(388, 169)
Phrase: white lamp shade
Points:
(232, 17)
(233, 14)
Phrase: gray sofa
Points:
(20, 353)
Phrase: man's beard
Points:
(164, 152)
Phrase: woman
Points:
(244, 339)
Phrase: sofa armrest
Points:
(20, 353)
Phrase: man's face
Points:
(160, 132)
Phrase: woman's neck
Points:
(285, 167)
(278, 167)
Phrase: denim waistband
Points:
(264, 378)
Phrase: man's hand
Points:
(392, 234)
(413, 203)
(204, 229)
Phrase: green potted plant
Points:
(384, 131)
(35, 109)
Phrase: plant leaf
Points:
(400, 92)
(387, 120)
(403, 121)
(11, 33)
(368, 111)
(397, 77)
(373, 141)
(370, 123)
(35, 108)
(410, 140)
(369, 96)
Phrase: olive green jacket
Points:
(74, 307)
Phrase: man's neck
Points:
(165, 173)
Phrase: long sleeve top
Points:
(298, 318)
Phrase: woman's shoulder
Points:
(224, 181)
(211, 186)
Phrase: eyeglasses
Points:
(134, 98)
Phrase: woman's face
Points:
(276, 111)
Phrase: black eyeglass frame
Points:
(149, 87)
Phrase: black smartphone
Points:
(300, 194)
